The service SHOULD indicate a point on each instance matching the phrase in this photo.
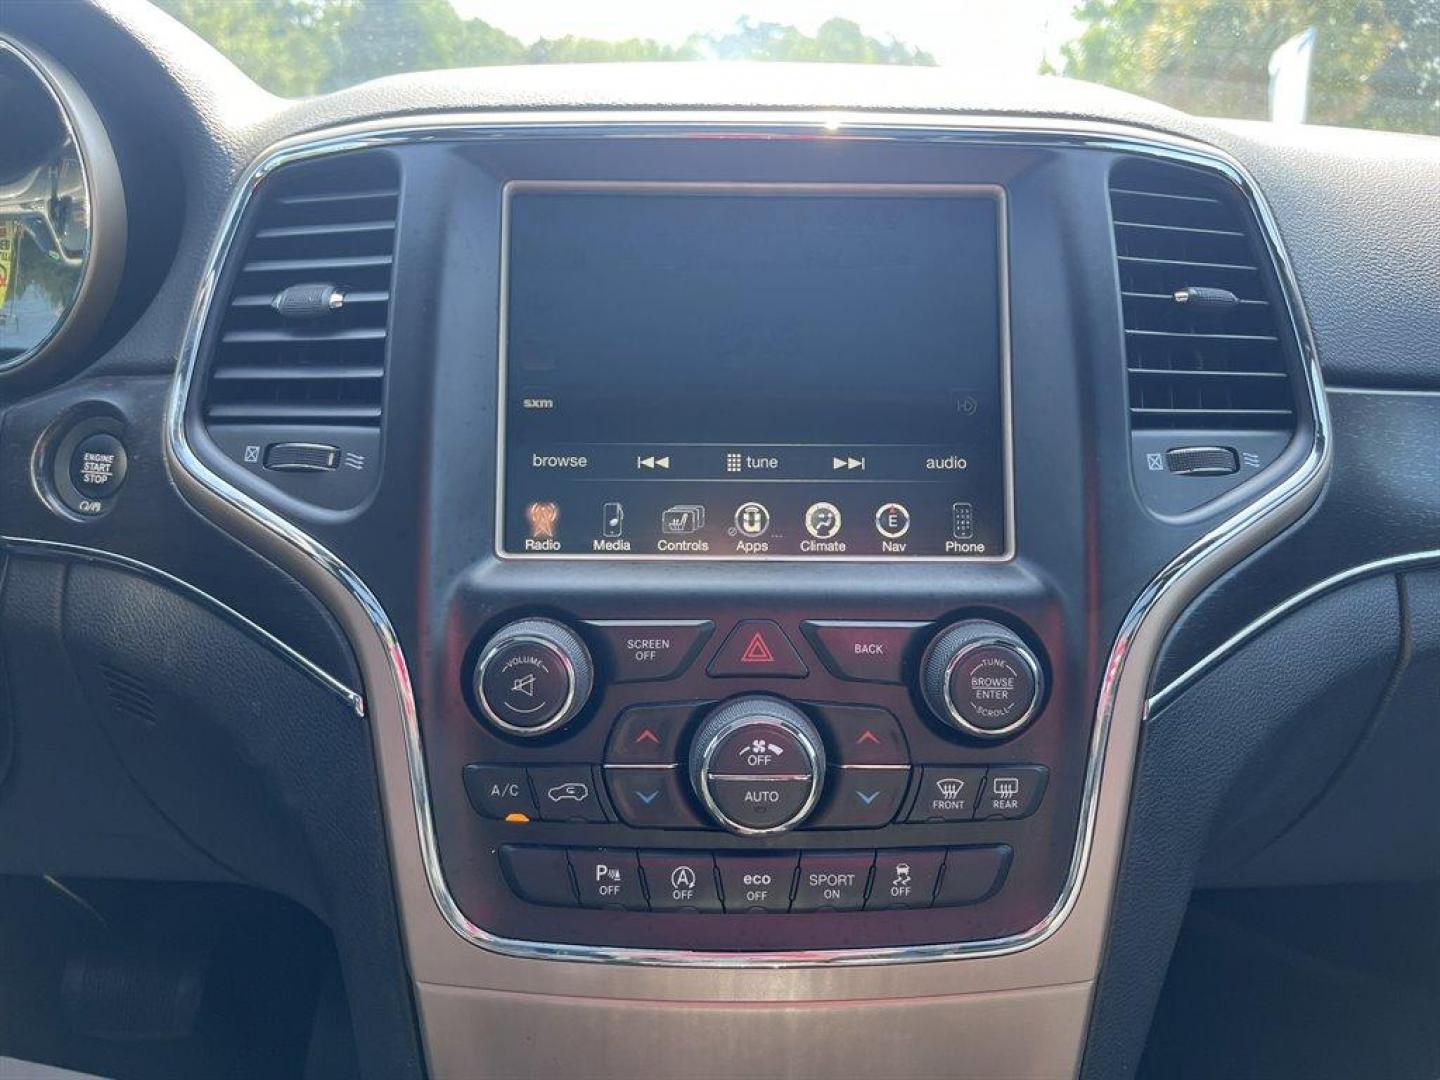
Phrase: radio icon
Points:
(752, 520)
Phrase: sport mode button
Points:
(833, 881)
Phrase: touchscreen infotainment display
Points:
(752, 372)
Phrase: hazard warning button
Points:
(759, 649)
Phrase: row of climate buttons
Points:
(762, 882)
(648, 797)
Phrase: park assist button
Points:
(832, 880)
(756, 882)
(680, 880)
(608, 879)
(863, 651)
(757, 649)
(647, 650)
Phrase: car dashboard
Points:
(695, 576)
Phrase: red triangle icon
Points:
(647, 736)
(757, 652)
(867, 736)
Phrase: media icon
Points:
(543, 518)
(612, 520)
(962, 521)
(892, 521)
(682, 519)
(822, 520)
(752, 520)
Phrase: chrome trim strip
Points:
(24, 545)
(898, 191)
(334, 581)
(1181, 682)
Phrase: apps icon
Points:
(822, 520)
(892, 521)
(682, 519)
(752, 520)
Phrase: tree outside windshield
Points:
(1375, 63)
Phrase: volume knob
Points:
(982, 679)
(533, 677)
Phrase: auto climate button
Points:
(757, 764)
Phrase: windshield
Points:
(1356, 63)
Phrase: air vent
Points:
(1202, 334)
(303, 337)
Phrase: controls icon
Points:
(822, 520)
(682, 519)
(962, 521)
(543, 518)
(752, 520)
(612, 521)
(892, 521)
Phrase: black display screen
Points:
(754, 372)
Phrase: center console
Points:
(753, 526)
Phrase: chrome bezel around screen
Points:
(899, 191)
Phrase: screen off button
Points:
(647, 650)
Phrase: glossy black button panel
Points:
(861, 798)
(566, 793)
(972, 874)
(539, 875)
(1012, 791)
(768, 882)
(651, 797)
(757, 649)
(498, 791)
(862, 651)
(650, 649)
